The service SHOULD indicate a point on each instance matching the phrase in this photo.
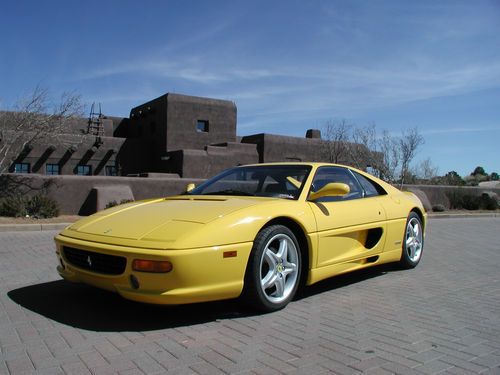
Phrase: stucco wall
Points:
(148, 126)
(183, 113)
(68, 151)
(140, 143)
(214, 159)
(72, 193)
(278, 148)
(437, 194)
(275, 148)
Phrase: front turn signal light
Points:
(154, 266)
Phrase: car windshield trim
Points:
(276, 181)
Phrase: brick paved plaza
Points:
(442, 317)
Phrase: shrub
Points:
(111, 204)
(471, 202)
(38, 206)
(459, 199)
(13, 206)
(438, 208)
(487, 202)
(41, 206)
(115, 203)
(455, 197)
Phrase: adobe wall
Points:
(74, 193)
(437, 194)
(183, 113)
(68, 151)
(214, 159)
(280, 148)
(119, 126)
(147, 125)
(169, 123)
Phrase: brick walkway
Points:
(442, 317)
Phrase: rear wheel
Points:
(413, 242)
(274, 269)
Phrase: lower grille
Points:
(95, 262)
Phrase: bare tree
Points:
(388, 155)
(389, 147)
(409, 142)
(336, 135)
(379, 151)
(34, 120)
(369, 149)
(426, 170)
(364, 150)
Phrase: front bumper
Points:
(198, 275)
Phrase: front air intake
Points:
(95, 262)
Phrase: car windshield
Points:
(280, 181)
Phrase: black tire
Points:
(413, 242)
(274, 269)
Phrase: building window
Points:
(52, 169)
(22, 168)
(202, 126)
(84, 170)
(110, 170)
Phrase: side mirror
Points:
(333, 189)
(190, 187)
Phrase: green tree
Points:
(453, 178)
(479, 171)
(494, 176)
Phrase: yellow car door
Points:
(349, 227)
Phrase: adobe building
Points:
(186, 135)
(65, 154)
(173, 140)
(173, 135)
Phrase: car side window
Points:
(369, 187)
(326, 175)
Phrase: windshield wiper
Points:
(231, 192)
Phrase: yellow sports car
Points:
(256, 231)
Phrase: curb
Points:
(32, 227)
(462, 216)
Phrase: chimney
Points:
(313, 133)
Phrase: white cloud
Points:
(460, 130)
(309, 91)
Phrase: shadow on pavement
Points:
(85, 307)
(93, 309)
(345, 280)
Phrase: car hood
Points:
(164, 220)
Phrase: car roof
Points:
(312, 164)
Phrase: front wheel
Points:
(274, 269)
(413, 242)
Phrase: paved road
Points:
(442, 317)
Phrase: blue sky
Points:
(288, 65)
